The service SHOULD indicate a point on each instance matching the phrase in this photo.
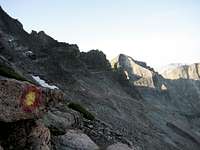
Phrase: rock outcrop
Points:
(183, 72)
(95, 60)
(137, 71)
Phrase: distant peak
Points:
(179, 70)
(171, 67)
(123, 58)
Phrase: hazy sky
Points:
(158, 32)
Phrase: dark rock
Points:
(39, 137)
(46, 40)
(14, 135)
(95, 60)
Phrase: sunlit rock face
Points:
(136, 71)
(183, 72)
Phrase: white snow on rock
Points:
(43, 83)
(29, 52)
(11, 38)
(127, 76)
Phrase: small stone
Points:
(90, 126)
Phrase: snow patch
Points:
(127, 76)
(11, 39)
(43, 83)
(163, 87)
(29, 52)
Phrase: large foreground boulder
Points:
(19, 100)
(22, 100)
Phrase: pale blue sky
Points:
(156, 31)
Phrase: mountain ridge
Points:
(132, 103)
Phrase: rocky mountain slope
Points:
(90, 105)
(171, 104)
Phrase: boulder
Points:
(119, 146)
(59, 120)
(74, 140)
(19, 100)
(22, 100)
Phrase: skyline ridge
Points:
(158, 33)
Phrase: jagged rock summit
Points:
(136, 71)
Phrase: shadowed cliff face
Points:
(135, 101)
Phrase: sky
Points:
(158, 32)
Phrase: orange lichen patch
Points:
(31, 98)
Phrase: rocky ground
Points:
(50, 124)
